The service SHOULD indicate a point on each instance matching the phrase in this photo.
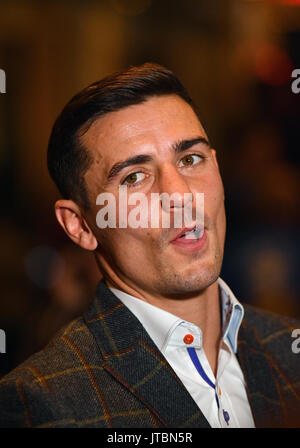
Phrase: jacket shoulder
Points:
(267, 323)
(273, 336)
(270, 363)
(30, 394)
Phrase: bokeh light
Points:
(44, 266)
(272, 65)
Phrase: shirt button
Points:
(188, 338)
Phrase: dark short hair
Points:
(68, 160)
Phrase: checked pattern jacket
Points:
(103, 370)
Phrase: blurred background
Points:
(234, 56)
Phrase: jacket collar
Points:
(160, 324)
(133, 359)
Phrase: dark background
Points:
(235, 58)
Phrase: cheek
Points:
(217, 206)
(219, 211)
(219, 195)
(126, 243)
(131, 251)
(212, 187)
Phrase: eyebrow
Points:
(178, 147)
(183, 145)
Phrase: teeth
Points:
(197, 232)
(193, 234)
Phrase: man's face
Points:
(167, 136)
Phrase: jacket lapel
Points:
(134, 360)
(262, 387)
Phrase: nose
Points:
(175, 186)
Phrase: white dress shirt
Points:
(168, 333)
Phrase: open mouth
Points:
(190, 233)
(191, 238)
(194, 234)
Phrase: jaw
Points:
(154, 268)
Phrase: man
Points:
(164, 343)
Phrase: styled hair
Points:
(67, 159)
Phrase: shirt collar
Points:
(232, 314)
(167, 329)
(157, 322)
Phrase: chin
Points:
(201, 281)
(184, 285)
(204, 272)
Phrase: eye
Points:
(133, 178)
(190, 159)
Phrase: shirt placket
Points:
(190, 338)
(225, 414)
(199, 359)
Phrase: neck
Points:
(203, 310)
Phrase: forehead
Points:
(150, 127)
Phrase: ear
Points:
(69, 216)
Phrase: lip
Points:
(186, 229)
(182, 232)
(190, 244)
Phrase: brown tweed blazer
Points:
(103, 370)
